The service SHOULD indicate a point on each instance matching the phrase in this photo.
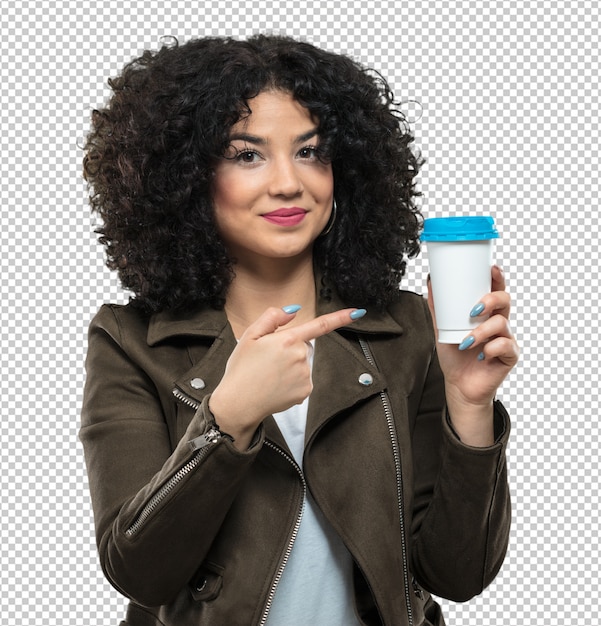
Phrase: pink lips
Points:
(286, 216)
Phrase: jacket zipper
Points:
(200, 446)
(280, 571)
(399, 478)
(185, 398)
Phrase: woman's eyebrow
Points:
(261, 141)
(248, 138)
(308, 135)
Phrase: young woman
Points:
(272, 434)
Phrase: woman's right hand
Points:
(269, 370)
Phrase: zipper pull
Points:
(417, 589)
(212, 436)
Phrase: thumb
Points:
(270, 321)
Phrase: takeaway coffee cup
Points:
(460, 253)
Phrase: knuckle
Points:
(272, 312)
(323, 325)
(303, 391)
(300, 352)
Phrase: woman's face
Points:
(272, 195)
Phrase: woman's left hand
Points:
(474, 370)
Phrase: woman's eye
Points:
(247, 156)
(308, 153)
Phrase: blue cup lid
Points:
(466, 228)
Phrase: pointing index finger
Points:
(325, 324)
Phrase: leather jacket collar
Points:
(208, 322)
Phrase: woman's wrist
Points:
(473, 423)
(241, 436)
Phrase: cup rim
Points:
(459, 228)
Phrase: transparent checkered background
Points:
(509, 123)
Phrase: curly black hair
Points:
(150, 152)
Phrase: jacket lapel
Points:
(209, 340)
(342, 377)
(212, 344)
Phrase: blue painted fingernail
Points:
(291, 308)
(357, 313)
(481, 356)
(467, 342)
(477, 310)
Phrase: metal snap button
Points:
(197, 383)
(366, 379)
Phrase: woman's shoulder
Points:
(120, 320)
(409, 308)
(129, 324)
(405, 301)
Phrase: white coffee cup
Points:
(460, 253)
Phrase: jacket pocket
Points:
(206, 583)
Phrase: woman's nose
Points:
(285, 180)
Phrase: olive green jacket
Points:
(195, 532)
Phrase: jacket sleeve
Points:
(156, 510)
(462, 512)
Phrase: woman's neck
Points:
(252, 292)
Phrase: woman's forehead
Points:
(279, 110)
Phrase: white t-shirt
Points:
(316, 587)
